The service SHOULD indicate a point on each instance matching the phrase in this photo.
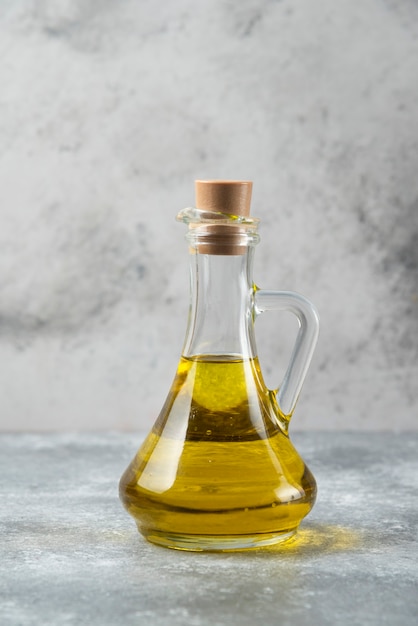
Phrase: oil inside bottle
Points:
(218, 470)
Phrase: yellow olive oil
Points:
(218, 470)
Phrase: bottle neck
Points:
(221, 305)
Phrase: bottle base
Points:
(218, 543)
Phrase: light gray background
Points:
(108, 112)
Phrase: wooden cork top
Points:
(230, 197)
(226, 196)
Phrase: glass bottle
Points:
(218, 470)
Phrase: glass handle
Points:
(288, 391)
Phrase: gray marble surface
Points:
(71, 555)
(110, 110)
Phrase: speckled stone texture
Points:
(110, 110)
(69, 553)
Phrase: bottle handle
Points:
(288, 391)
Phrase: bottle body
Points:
(217, 472)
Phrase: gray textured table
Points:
(71, 555)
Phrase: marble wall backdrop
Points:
(110, 110)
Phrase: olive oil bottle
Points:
(218, 470)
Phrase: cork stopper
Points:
(226, 196)
(231, 197)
